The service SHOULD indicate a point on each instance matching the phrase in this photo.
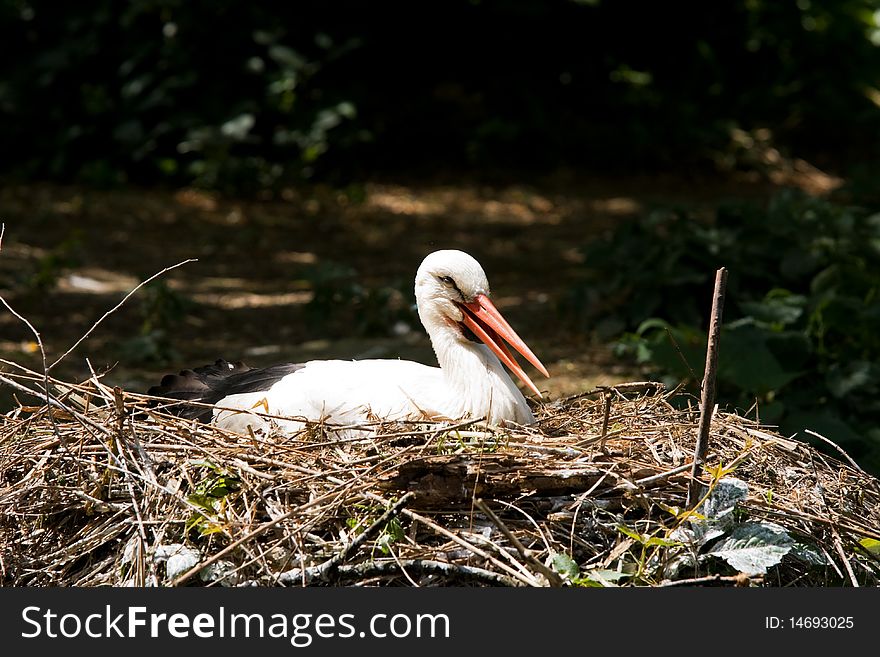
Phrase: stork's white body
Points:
(353, 393)
(471, 382)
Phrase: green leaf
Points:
(872, 545)
(809, 554)
(846, 379)
(623, 529)
(178, 558)
(724, 497)
(564, 565)
(754, 547)
(384, 542)
(653, 323)
(826, 280)
(602, 577)
(746, 361)
(206, 502)
(716, 513)
(394, 529)
(239, 127)
(779, 307)
(662, 542)
(208, 527)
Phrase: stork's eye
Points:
(446, 280)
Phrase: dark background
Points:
(601, 158)
(103, 92)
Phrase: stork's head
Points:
(452, 291)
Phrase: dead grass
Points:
(100, 489)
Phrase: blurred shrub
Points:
(48, 269)
(245, 96)
(801, 336)
(162, 311)
(147, 90)
(343, 305)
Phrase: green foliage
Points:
(569, 570)
(149, 94)
(801, 336)
(564, 565)
(753, 548)
(722, 531)
(715, 538)
(209, 496)
(366, 515)
(162, 309)
(391, 533)
(871, 545)
(342, 301)
(49, 268)
(247, 96)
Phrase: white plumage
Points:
(452, 294)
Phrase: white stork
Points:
(452, 294)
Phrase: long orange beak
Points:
(483, 319)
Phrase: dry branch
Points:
(707, 397)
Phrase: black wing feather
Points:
(211, 383)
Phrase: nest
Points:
(102, 487)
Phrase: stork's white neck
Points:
(478, 385)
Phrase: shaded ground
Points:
(69, 254)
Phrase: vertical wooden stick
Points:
(707, 398)
(605, 418)
(119, 404)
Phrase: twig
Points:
(145, 465)
(142, 532)
(838, 545)
(838, 542)
(707, 397)
(835, 446)
(652, 387)
(605, 416)
(117, 307)
(528, 555)
(325, 570)
(403, 569)
(371, 569)
(455, 538)
(256, 532)
(580, 502)
(736, 580)
(83, 419)
(119, 405)
(788, 513)
(527, 517)
(45, 369)
(639, 483)
(428, 523)
(678, 350)
(438, 427)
